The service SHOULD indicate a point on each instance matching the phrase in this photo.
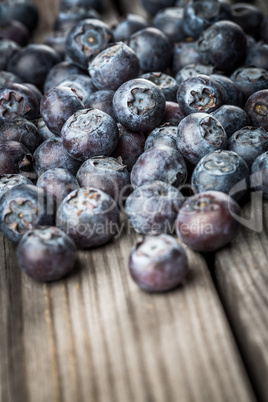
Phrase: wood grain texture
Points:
(241, 272)
(95, 336)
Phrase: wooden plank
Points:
(241, 272)
(96, 337)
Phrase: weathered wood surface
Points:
(241, 272)
(95, 336)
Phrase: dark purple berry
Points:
(128, 25)
(89, 216)
(86, 39)
(206, 222)
(14, 157)
(89, 132)
(139, 105)
(158, 263)
(163, 135)
(159, 163)
(223, 171)
(21, 130)
(16, 100)
(52, 154)
(61, 72)
(103, 100)
(259, 174)
(224, 45)
(8, 181)
(198, 135)
(152, 48)
(105, 173)
(42, 57)
(153, 207)
(257, 109)
(250, 79)
(166, 83)
(199, 94)
(232, 118)
(130, 146)
(57, 105)
(58, 183)
(22, 208)
(249, 143)
(46, 254)
(114, 66)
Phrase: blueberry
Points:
(70, 15)
(58, 183)
(153, 207)
(224, 45)
(130, 146)
(206, 221)
(184, 53)
(114, 66)
(173, 114)
(93, 4)
(14, 30)
(199, 15)
(152, 48)
(57, 105)
(8, 181)
(163, 135)
(257, 109)
(249, 143)
(7, 78)
(248, 17)
(259, 174)
(139, 105)
(43, 130)
(191, 70)
(257, 56)
(46, 254)
(232, 118)
(22, 208)
(198, 135)
(89, 132)
(52, 154)
(158, 263)
(16, 100)
(231, 93)
(23, 131)
(82, 85)
(7, 49)
(264, 29)
(24, 12)
(103, 100)
(153, 6)
(14, 157)
(199, 94)
(166, 83)
(159, 163)
(86, 39)
(61, 72)
(250, 79)
(105, 173)
(89, 216)
(223, 171)
(42, 57)
(170, 21)
(128, 25)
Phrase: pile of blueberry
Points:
(160, 121)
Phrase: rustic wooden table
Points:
(95, 336)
